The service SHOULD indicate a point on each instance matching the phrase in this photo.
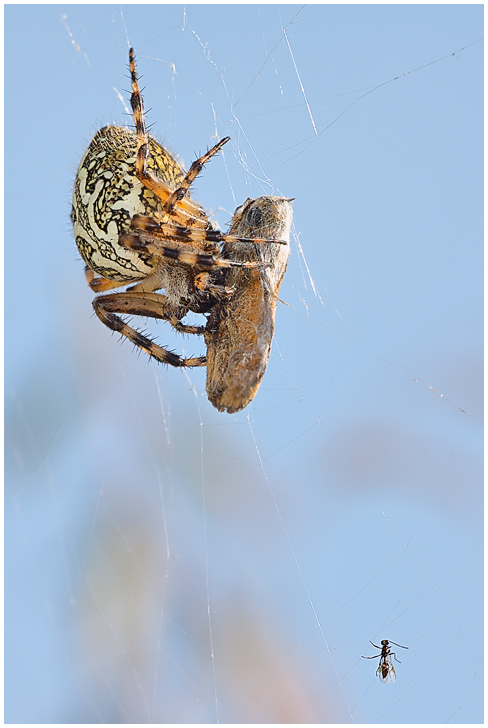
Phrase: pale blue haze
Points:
(345, 503)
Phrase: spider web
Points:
(168, 563)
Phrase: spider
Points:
(135, 223)
(385, 671)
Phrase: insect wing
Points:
(386, 671)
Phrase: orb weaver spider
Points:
(135, 223)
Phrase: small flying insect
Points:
(385, 671)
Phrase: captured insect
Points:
(240, 329)
(135, 223)
(386, 671)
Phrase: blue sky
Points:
(168, 563)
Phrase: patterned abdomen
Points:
(107, 194)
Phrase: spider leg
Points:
(206, 261)
(370, 658)
(97, 283)
(173, 231)
(153, 305)
(137, 105)
(171, 199)
(190, 176)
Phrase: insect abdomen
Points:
(238, 347)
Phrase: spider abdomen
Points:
(107, 194)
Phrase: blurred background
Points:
(168, 563)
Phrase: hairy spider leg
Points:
(171, 230)
(191, 175)
(98, 283)
(188, 257)
(152, 305)
(174, 202)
